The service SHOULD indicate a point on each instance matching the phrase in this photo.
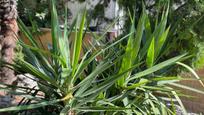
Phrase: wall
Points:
(111, 12)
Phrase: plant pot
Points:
(44, 38)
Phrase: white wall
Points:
(111, 12)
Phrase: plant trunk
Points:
(8, 37)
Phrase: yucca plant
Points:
(128, 79)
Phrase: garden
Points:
(101, 57)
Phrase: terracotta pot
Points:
(45, 38)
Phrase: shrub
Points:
(129, 78)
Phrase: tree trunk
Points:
(8, 36)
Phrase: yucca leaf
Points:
(86, 83)
(31, 106)
(126, 102)
(160, 34)
(148, 29)
(100, 51)
(80, 67)
(162, 40)
(64, 44)
(157, 88)
(45, 54)
(192, 71)
(108, 28)
(55, 31)
(65, 51)
(107, 83)
(153, 106)
(127, 60)
(20, 93)
(156, 67)
(138, 36)
(180, 102)
(187, 88)
(78, 42)
(85, 63)
(36, 72)
(98, 109)
(25, 31)
(37, 58)
(142, 82)
(132, 48)
(65, 110)
(151, 54)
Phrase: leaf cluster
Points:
(106, 78)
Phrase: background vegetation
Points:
(185, 19)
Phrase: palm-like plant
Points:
(8, 32)
(9, 29)
(128, 79)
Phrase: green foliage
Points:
(199, 58)
(123, 81)
(39, 11)
(185, 19)
(186, 35)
